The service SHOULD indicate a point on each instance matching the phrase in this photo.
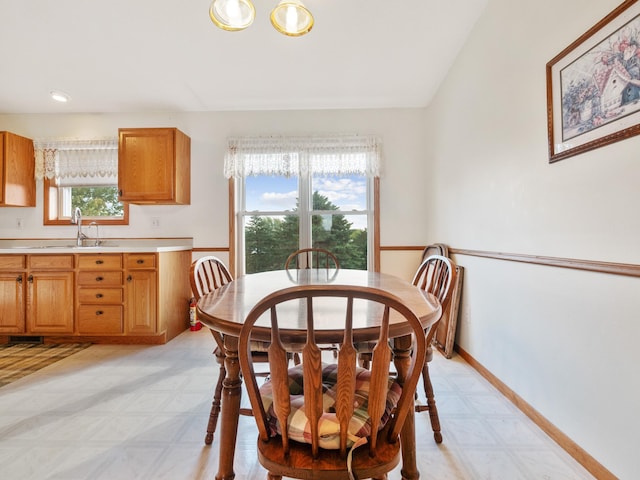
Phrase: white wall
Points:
(206, 219)
(564, 340)
(472, 172)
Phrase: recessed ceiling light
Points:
(60, 96)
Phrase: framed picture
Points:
(593, 86)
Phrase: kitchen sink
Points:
(56, 246)
(37, 247)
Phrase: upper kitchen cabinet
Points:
(154, 166)
(17, 164)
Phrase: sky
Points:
(270, 193)
(279, 193)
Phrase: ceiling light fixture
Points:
(289, 17)
(232, 15)
(59, 96)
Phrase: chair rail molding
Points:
(627, 269)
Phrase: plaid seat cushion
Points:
(299, 429)
(258, 346)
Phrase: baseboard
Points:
(572, 448)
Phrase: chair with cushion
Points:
(330, 421)
(436, 274)
(311, 258)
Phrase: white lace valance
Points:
(77, 162)
(289, 156)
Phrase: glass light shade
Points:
(232, 14)
(291, 18)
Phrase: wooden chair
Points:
(207, 274)
(311, 258)
(355, 394)
(436, 274)
(306, 258)
(435, 249)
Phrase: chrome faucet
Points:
(76, 219)
(97, 239)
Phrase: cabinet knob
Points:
(99, 279)
(139, 261)
(99, 312)
(99, 262)
(30, 278)
(99, 295)
(119, 193)
(19, 279)
(129, 278)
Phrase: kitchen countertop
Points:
(107, 245)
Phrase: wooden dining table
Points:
(226, 308)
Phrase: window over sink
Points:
(82, 174)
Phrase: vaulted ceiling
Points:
(167, 55)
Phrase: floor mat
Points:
(20, 360)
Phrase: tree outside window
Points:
(270, 240)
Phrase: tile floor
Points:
(140, 412)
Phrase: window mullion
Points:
(239, 227)
(304, 207)
(64, 202)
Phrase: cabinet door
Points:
(12, 302)
(50, 302)
(17, 166)
(154, 166)
(2, 155)
(145, 165)
(141, 302)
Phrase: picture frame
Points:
(593, 86)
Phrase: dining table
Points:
(225, 309)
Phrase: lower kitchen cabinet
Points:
(99, 319)
(98, 297)
(49, 285)
(12, 316)
(99, 294)
(141, 294)
(49, 309)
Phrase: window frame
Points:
(51, 193)
(237, 214)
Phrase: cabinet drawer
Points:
(140, 260)
(99, 262)
(12, 262)
(100, 278)
(100, 295)
(100, 319)
(50, 262)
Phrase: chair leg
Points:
(273, 477)
(431, 403)
(215, 405)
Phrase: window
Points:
(304, 192)
(98, 203)
(81, 174)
